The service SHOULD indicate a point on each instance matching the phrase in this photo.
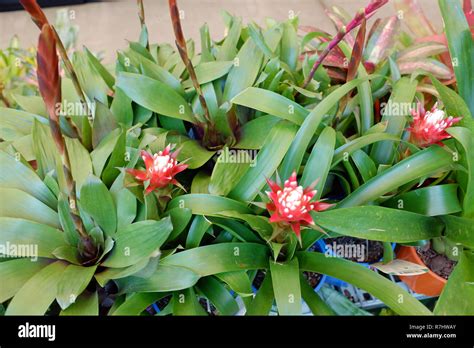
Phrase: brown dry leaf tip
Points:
(35, 11)
(141, 12)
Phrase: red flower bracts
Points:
(429, 127)
(291, 204)
(160, 169)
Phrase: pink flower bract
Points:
(429, 127)
(291, 204)
(160, 169)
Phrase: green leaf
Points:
(103, 72)
(103, 124)
(137, 241)
(121, 108)
(457, 295)
(286, 286)
(395, 116)
(209, 71)
(16, 123)
(313, 300)
(245, 70)
(319, 162)
(271, 103)
(137, 303)
(289, 45)
(362, 277)
(81, 164)
(254, 133)
(37, 294)
(86, 304)
(466, 138)
(97, 201)
(15, 273)
(24, 206)
(239, 282)
(219, 296)
(102, 152)
(340, 304)
(220, 258)
(186, 303)
(90, 80)
(378, 223)
(423, 163)
(459, 230)
(153, 70)
(73, 282)
(31, 235)
(198, 228)
(237, 229)
(430, 201)
(165, 278)
(358, 143)
(155, 96)
(125, 201)
(190, 150)
(179, 218)
(268, 160)
(295, 154)
(461, 48)
(70, 234)
(46, 152)
(228, 49)
(15, 174)
(230, 166)
(203, 204)
(116, 160)
(263, 301)
(455, 105)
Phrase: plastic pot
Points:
(429, 284)
(338, 282)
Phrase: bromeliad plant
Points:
(163, 186)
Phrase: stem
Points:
(4, 99)
(141, 15)
(49, 83)
(183, 52)
(70, 69)
(365, 13)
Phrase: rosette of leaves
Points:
(366, 173)
(222, 100)
(75, 231)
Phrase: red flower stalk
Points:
(160, 169)
(364, 13)
(429, 127)
(291, 204)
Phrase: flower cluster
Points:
(291, 204)
(160, 169)
(429, 127)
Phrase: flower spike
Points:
(291, 204)
(429, 127)
(160, 169)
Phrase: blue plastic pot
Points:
(337, 282)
